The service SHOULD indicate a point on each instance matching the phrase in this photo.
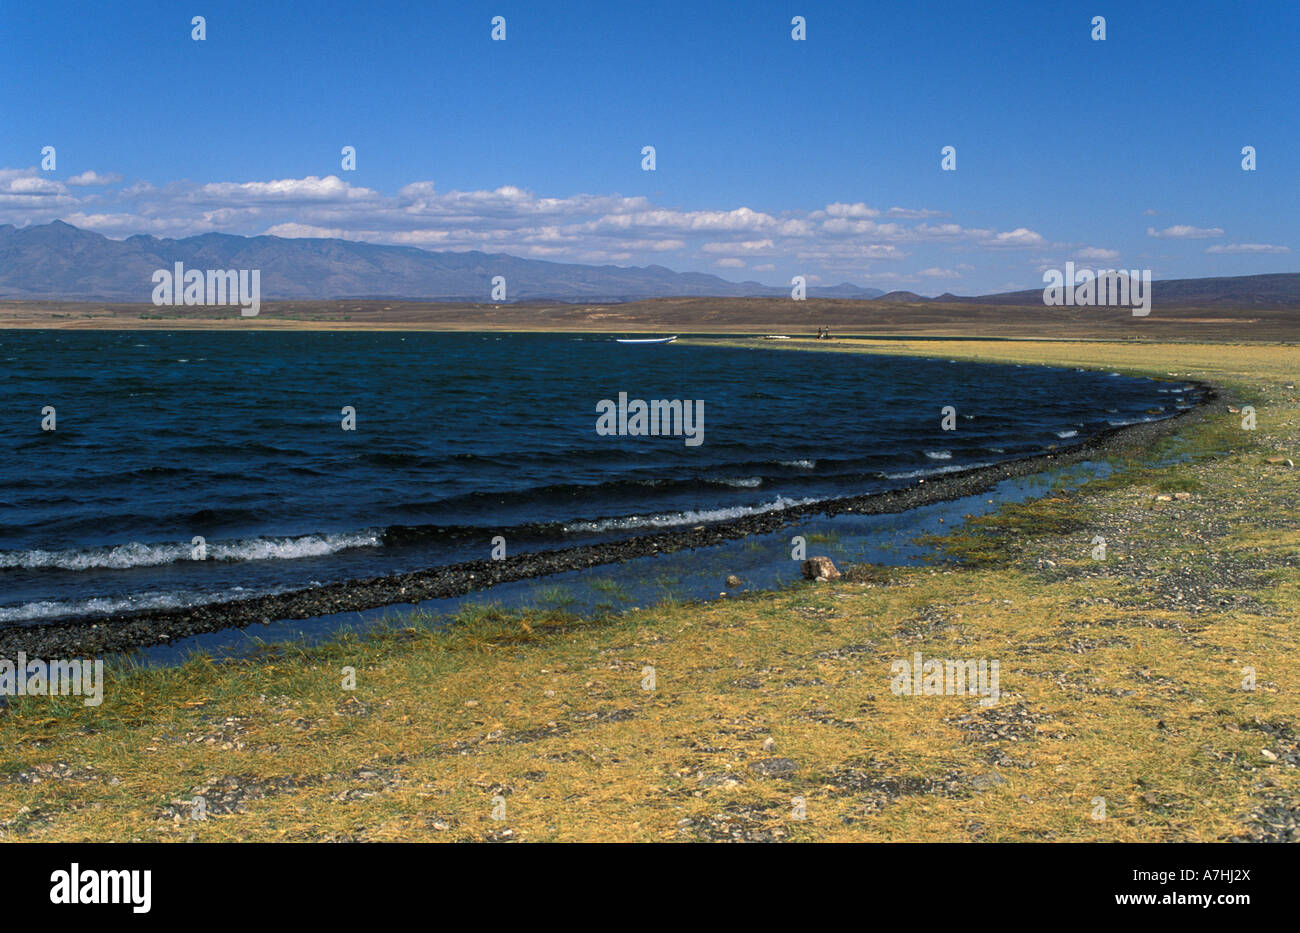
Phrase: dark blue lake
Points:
(237, 437)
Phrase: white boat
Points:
(646, 339)
(776, 337)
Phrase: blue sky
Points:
(774, 157)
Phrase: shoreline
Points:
(124, 632)
(1169, 320)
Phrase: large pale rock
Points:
(820, 568)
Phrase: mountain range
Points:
(60, 261)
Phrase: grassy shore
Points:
(1122, 713)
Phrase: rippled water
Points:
(236, 437)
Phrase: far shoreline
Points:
(678, 315)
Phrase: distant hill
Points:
(1275, 290)
(59, 261)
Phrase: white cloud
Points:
(311, 188)
(937, 273)
(731, 263)
(854, 251)
(1097, 253)
(88, 179)
(1184, 232)
(295, 231)
(119, 224)
(848, 227)
(941, 230)
(838, 209)
(1018, 237)
(1247, 248)
(740, 220)
(911, 214)
(749, 246)
(28, 183)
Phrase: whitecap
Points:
(97, 605)
(137, 554)
(689, 517)
(739, 482)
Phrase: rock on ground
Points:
(820, 568)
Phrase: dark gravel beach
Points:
(128, 630)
